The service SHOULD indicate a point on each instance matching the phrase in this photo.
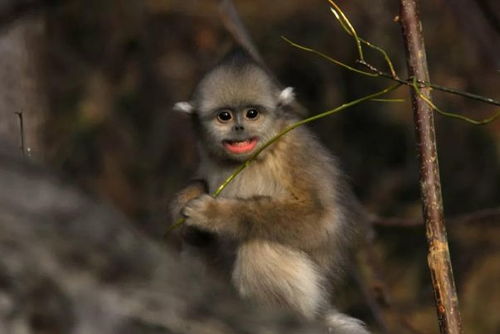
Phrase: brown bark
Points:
(430, 185)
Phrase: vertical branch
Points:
(232, 21)
(430, 184)
(21, 132)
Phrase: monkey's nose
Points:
(238, 127)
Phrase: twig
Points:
(333, 60)
(462, 93)
(368, 289)
(396, 222)
(234, 25)
(374, 72)
(345, 24)
(482, 218)
(374, 289)
(21, 132)
(430, 185)
(281, 134)
(449, 114)
(296, 125)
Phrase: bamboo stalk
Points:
(430, 185)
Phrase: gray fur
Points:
(291, 213)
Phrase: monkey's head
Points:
(237, 107)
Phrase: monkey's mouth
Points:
(240, 146)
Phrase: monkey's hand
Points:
(198, 211)
(207, 213)
(193, 190)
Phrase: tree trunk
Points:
(430, 184)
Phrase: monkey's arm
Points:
(295, 220)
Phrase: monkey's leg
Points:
(278, 275)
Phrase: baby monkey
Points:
(290, 213)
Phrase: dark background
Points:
(96, 81)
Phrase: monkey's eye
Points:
(252, 113)
(224, 116)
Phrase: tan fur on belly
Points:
(273, 273)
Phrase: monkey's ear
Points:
(286, 97)
(287, 103)
(185, 107)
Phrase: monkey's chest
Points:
(250, 182)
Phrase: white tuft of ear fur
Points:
(287, 96)
(184, 107)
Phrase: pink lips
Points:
(239, 147)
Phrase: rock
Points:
(70, 264)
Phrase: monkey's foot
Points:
(339, 323)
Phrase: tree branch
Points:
(430, 185)
(232, 22)
(375, 72)
(390, 318)
(482, 217)
(21, 132)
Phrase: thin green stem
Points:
(174, 226)
(471, 96)
(244, 165)
(389, 100)
(335, 61)
(452, 115)
(462, 93)
(342, 21)
(377, 73)
(360, 40)
(348, 27)
(384, 54)
(296, 125)
(339, 14)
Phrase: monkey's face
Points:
(237, 108)
(238, 111)
(236, 133)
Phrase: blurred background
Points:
(95, 82)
